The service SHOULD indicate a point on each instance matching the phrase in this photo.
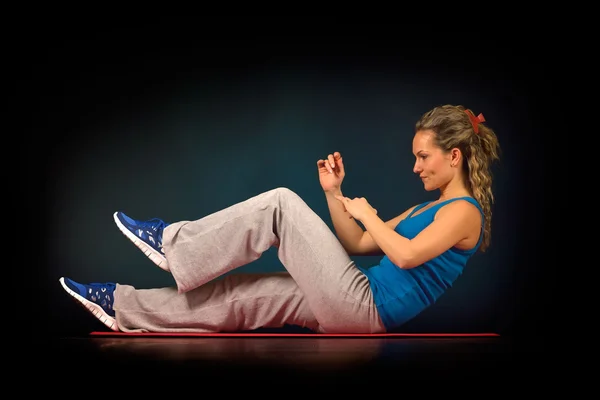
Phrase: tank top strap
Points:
(417, 208)
(467, 198)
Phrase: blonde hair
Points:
(454, 127)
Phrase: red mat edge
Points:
(185, 334)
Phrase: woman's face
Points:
(431, 164)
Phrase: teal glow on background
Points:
(175, 138)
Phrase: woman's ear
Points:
(455, 157)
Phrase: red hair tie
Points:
(475, 120)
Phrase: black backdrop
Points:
(174, 119)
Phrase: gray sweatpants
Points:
(321, 288)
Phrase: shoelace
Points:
(157, 225)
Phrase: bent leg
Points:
(337, 292)
(238, 302)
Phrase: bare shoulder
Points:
(464, 217)
(462, 209)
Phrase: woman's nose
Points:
(416, 168)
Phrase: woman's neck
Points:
(454, 188)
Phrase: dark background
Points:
(176, 119)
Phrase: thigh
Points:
(337, 290)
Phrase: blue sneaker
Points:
(146, 235)
(98, 298)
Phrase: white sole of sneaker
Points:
(152, 254)
(93, 308)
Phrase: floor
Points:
(314, 361)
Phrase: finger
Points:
(337, 160)
(327, 164)
(323, 164)
(331, 160)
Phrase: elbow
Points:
(404, 261)
(351, 250)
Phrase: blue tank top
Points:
(402, 294)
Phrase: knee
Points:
(286, 194)
(284, 198)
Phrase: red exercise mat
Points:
(251, 334)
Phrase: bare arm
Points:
(331, 174)
(353, 237)
(367, 246)
(348, 231)
(453, 223)
(350, 234)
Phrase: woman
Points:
(424, 249)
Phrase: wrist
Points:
(333, 192)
